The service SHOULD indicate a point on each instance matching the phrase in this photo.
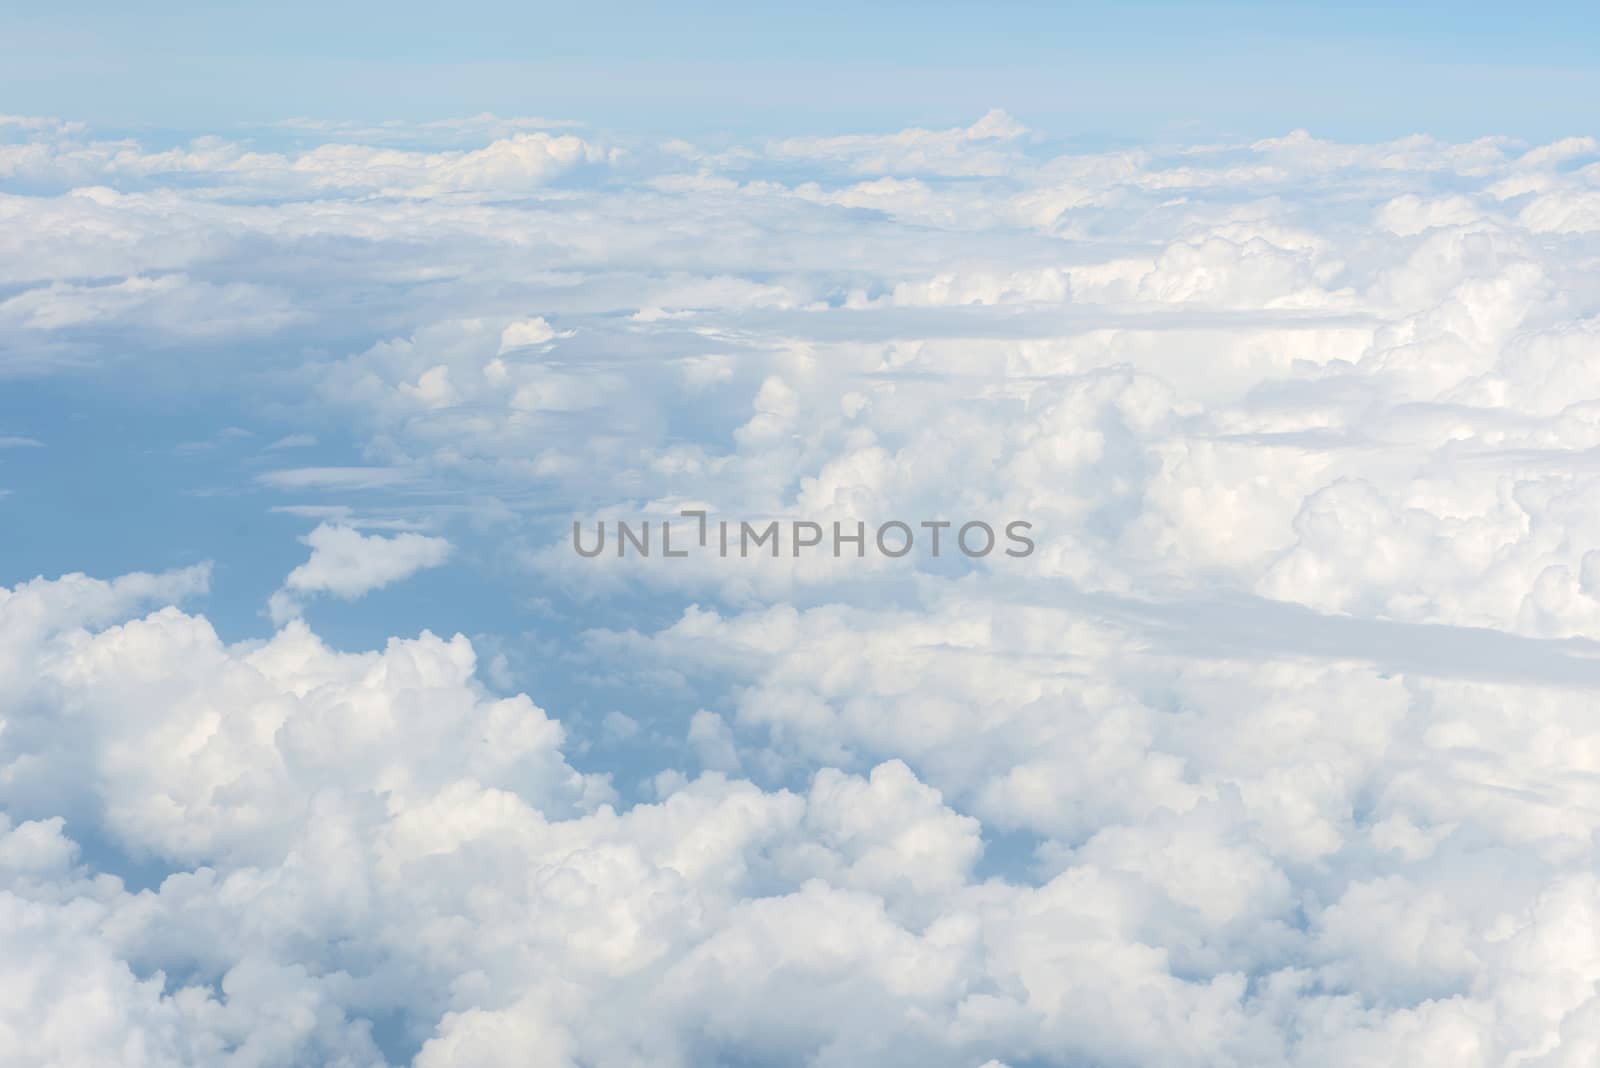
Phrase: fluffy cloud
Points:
(347, 564)
(346, 839)
(1277, 752)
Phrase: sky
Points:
(1108, 72)
(322, 330)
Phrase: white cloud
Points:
(524, 333)
(347, 564)
(358, 836)
(977, 149)
(172, 307)
(519, 162)
(1278, 752)
(345, 478)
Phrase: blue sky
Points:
(1128, 71)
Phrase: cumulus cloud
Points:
(347, 564)
(355, 837)
(1278, 751)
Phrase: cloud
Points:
(347, 478)
(520, 161)
(172, 307)
(1278, 751)
(973, 150)
(524, 333)
(348, 564)
(466, 129)
(351, 837)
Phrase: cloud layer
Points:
(1277, 752)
